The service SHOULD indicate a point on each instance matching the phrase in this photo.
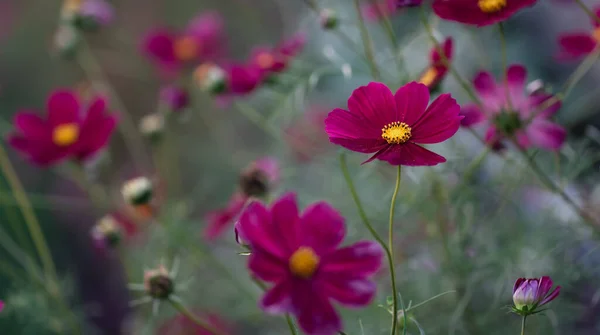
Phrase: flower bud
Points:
(158, 283)
(254, 183)
(175, 98)
(210, 78)
(152, 125)
(137, 191)
(529, 294)
(107, 232)
(329, 19)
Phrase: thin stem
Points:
(389, 29)
(391, 237)
(183, 310)
(367, 43)
(365, 219)
(588, 11)
(503, 51)
(523, 325)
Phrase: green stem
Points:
(183, 310)
(504, 57)
(391, 235)
(365, 219)
(588, 11)
(523, 325)
(367, 43)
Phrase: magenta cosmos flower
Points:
(520, 117)
(437, 69)
(300, 255)
(579, 44)
(72, 130)
(530, 294)
(479, 12)
(390, 126)
(201, 40)
(256, 181)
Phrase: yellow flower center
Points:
(186, 48)
(396, 132)
(428, 77)
(265, 60)
(65, 134)
(491, 6)
(596, 35)
(304, 262)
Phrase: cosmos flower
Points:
(182, 325)
(390, 126)
(300, 254)
(201, 40)
(72, 130)
(579, 44)
(479, 12)
(518, 116)
(268, 60)
(255, 181)
(436, 71)
(531, 294)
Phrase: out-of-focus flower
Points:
(531, 294)
(107, 232)
(174, 97)
(299, 253)
(152, 125)
(390, 126)
(182, 325)
(268, 60)
(479, 12)
(408, 3)
(374, 11)
(437, 69)
(293, 45)
(210, 78)
(256, 180)
(307, 138)
(507, 110)
(329, 18)
(241, 79)
(158, 283)
(1, 305)
(578, 44)
(202, 40)
(66, 40)
(137, 191)
(87, 14)
(535, 87)
(67, 133)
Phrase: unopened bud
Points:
(329, 19)
(107, 232)
(152, 125)
(137, 191)
(158, 283)
(535, 87)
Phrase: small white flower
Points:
(152, 125)
(137, 191)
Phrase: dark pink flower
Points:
(182, 325)
(242, 79)
(256, 180)
(378, 10)
(306, 137)
(437, 69)
(479, 12)
(72, 130)
(293, 45)
(579, 44)
(300, 254)
(530, 294)
(268, 60)
(174, 97)
(519, 116)
(201, 40)
(1, 305)
(390, 126)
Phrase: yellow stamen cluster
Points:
(396, 132)
(428, 77)
(265, 60)
(304, 262)
(65, 134)
(186, 48)
(491, 6)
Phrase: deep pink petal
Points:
(158, 44)
(468, 11)
(517, 284)
(544, 286)
(93, 141)
(546, 135)
(516, 76)
(344, 124)
(315, 313)
(375, 103)
(285, 221)
(42, 153)
(278, 300)
(63, 107)
(322, 227)
(32, 126)
(352, 293)
(266, 267)
(439, 122)
(472, 115)
(256, 223)
(410, 154)
(493, 136)
(360, 145)
(539, 100)
(576, 45)
(411, 102)
(218, 220)
(522, 139)
(551, 296)
(485, 84)
(359, 260)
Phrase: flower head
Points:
(174, 97)
(152, 125)
(268, 60)
(437, 69)
(479, 12)
(579, 44)
(390, 126)
(137, 191)
(530, 294)
(300, 254)
(72, 130)
(510, 112)
(329, 18)
(201, 40)
(158, 283)
(293, 45)
(107, 232)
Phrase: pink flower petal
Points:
(96, 130)
(344, 124)
(315, 313)
(63, 107)
(544, 286)
(551, 296)
(278, 300)
(575, 45)
(258, 229)
(352, 293)
(359, 260)
(220, 219)
(411, 102)
(546, 135)
(410, 154)
(516, 76)
(32, 126)
(322, 227)
(485, 84)
(537, 100)
(375, 103)
(269, 166)
(266, 267)
(493, 136)
(285, 220)
(1, 305)
(472, 115)
(439, 122)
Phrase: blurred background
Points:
(503, 224)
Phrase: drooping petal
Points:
(551, 296)
(410, 154)
(375, 103)
(266, 267)
(546, 134)
(359, 260)
(353, 293)
(544, 286)
(472, 115)
(42, 153)
(218, 220)
(344, 124)
(278, 300)
(439, 122)
(575, 45)
(322, 227)
(315, 313)
(63, 107)
(411, 102)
